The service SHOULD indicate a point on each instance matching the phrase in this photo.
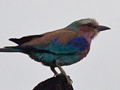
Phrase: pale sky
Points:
(100, 70)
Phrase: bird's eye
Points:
(89, 25)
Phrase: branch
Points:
(55, 83)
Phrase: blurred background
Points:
(100, 70)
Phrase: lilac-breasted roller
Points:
(61, 47)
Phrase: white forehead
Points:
(88, 20)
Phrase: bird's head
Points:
(87, 26)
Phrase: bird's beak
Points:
(102, 28)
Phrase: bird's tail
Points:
(10, 49)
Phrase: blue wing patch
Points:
(79, 42)
(75, 45)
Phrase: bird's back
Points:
(63, 35)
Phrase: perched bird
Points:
(61, 47)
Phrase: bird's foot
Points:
(67, 78)
(56, 75)
(54, 71)
(64, 73)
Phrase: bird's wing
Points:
(56, 42)
(73, 46)
(25, 39)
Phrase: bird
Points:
(61, 47)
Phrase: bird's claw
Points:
(69, 81)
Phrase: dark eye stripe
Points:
(89, 25)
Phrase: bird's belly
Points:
(49, 59)
(68, 59)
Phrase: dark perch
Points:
(55, 83)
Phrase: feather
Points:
(25, 39)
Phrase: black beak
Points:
(102, 28)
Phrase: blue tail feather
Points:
(9, 50)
